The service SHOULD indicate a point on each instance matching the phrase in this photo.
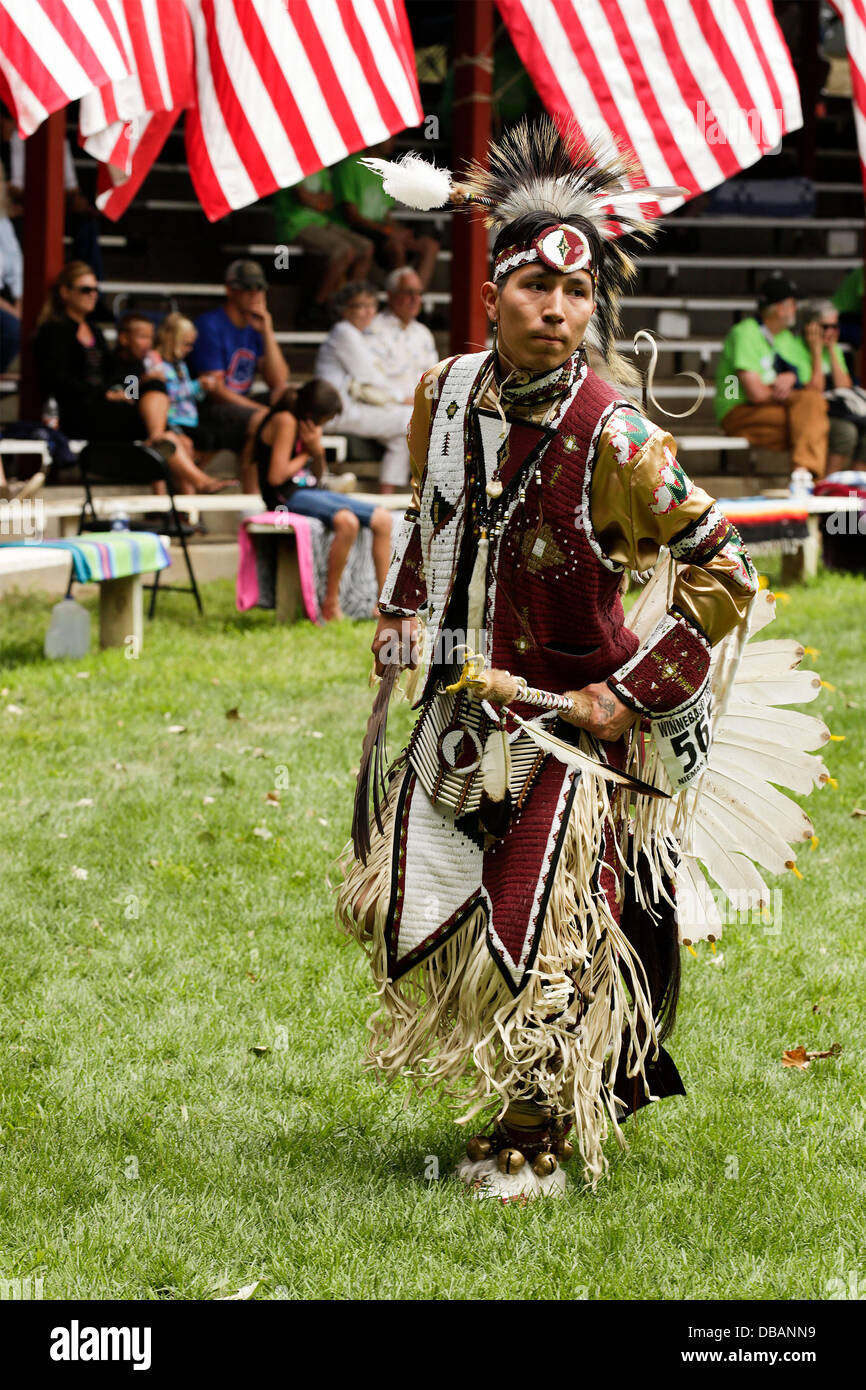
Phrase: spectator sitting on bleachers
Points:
(303, 215)
(297, 420)
(403, 348)
(175, 341)
(363, 205)
(370, 409)
(234, 341)
(821, 364)
(11, 284)
(72, 365)
(758, 393)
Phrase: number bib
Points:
(684, 739)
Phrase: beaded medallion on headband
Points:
(560, 247)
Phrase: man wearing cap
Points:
(234, 342)
(758, 395)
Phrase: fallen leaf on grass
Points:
(242, 1294)
(208, 800)
(263, 832)
(272, 798)
(233, 713)
(258, 752)
(14, 709)
(79, 873)
(177, 728)
(85, 801)
(260, 1049)
(799, 1057)
(858, 813)
(315, 734)
(82, 675)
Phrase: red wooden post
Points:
(43, 240)
(473, 86)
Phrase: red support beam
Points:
(44, 209)
(473, 86)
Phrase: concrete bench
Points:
(121, 609)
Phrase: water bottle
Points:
(119, 521)
(801, 483)
(51, 414)
(69, 630)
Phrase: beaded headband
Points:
(560, 247)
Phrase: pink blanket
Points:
(247, 592)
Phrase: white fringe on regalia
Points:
(451, 1022)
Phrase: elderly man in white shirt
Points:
(403, 348)
(372, 407)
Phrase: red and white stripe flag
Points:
(853, 14)
(695, 89)
(53, 52)
(287, 87)
(158, 42)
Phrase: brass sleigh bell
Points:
(544, 1164)
(478, 1147)
(510, 1160)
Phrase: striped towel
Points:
(101, 555)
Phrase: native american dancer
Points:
(518, 890)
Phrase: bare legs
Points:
(346, 526)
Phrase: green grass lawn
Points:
(150, 1151)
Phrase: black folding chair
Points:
(139, 464)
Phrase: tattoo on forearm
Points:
(607, 705)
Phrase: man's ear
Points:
(490, 300)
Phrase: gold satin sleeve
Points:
(628, 516)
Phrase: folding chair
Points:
(139, 464)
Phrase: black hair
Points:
(316, 400)
(524, 229)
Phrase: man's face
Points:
(405, 301)
(137, 339)
(250, 304)
(786, 312)
(542, 315)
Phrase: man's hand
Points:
(395, 642)
(783, 385)
(598, 710)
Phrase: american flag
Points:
(158, 43)
(52, 52)
(280, 89)
(285, 89)
(853, 13)
(695, 89)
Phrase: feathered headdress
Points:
(535, 168)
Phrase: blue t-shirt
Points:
(221, 347)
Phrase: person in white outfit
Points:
(370, 406)
(404, 348)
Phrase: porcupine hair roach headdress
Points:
(553, 198)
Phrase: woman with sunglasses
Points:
(73, 365)
(821, 365)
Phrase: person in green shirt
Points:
(303, 215)
(365, 208)
(758, 390)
